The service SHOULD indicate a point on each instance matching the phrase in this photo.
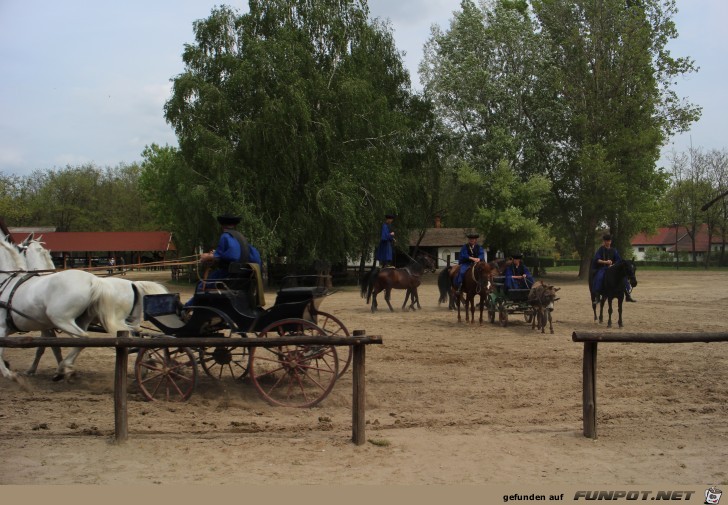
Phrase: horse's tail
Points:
(364, 283)
(109, 308)
(370, 282)
(141, 289)
(443, 284)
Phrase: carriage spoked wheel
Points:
(293, 375)
(333, 326)
(166, 373)
(222, 362)
(528, 315)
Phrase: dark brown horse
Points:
(446, 276)
(387, 279)
(478, 280)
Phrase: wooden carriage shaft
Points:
(589, 365)
(122, 343)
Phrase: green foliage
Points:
(294, 115)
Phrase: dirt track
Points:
(447, 403)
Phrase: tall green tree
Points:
(294, 115)
(609, 76)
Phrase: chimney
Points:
(438, 222)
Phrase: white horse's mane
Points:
(12, 260)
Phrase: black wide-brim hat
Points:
(228, 219)
(472, 235)
(389, 216)
(517, 256)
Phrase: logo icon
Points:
(712, 495)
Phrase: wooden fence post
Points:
(590, 389)
(121, 419)
(358, 408)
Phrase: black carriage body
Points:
(231, 309)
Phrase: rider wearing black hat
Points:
(470, 254)
(605, 257)
(517, 274)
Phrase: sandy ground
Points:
(447, 403)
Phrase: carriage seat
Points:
(244, 280)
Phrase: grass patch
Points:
(379, 442)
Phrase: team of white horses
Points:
(34, 297)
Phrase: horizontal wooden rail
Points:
(123, 342)
(649, 338)
(167, 341)
(589, 364)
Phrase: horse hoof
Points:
(58, 377)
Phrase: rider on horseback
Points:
(605, 257)
(470, 254)
(385, 250)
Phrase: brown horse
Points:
(478, 280)
(386, 279)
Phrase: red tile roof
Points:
(666, 237)
(103, 241)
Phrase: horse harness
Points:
(8, 305)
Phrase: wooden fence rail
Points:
(123, 342)
(589, 365)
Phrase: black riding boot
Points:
(629, 298)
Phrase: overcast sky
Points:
(85, 81)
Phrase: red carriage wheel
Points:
(293, 375)
(166, 373)
(333, 326)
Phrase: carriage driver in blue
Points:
(605, 257)
(232, 247)
(470, 254)
(517, 274)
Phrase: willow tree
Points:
(293, 115)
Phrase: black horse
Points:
(612, 287)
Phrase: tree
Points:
(295, 116)
(609, 75)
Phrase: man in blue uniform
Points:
(470, 254)
(605, 257)
(385, 250)
(517, 274)
(232, 247)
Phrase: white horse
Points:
(67, 300)
(128, 305)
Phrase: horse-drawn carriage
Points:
(504, 301)
(288, 375)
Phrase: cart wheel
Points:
(293, 375)
(491, 315)
(333, 326)
(166, 373)
(503, 316)
(528, 315)
(221, 362)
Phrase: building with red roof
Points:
(667, 238)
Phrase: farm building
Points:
(666, 238)
(94, 249)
